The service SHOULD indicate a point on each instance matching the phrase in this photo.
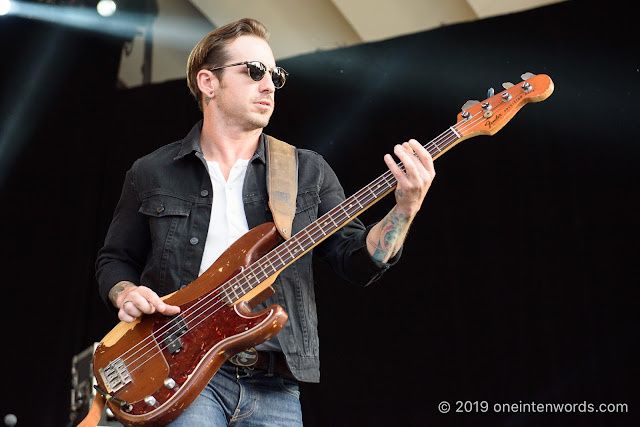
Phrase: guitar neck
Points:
(310, 236)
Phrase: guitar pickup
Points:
(177, 328)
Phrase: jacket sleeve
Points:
(346, 249)
(126, 244)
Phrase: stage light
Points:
(5, 7)
(106, 7)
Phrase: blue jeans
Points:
(243, 397)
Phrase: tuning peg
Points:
(527, 75)
(507, 85)
(470, 103)
(490, 92)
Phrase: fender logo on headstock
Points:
(489, 123)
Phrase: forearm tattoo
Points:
(117, 289)
(393, 229)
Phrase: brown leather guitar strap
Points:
(95, 412)
(282, 183)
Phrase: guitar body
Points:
(158, 365)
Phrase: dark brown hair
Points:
(210, 52)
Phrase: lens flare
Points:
(106, 7)
(5, 7)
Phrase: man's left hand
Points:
(415, 180)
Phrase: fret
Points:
(358, 202)
(277, 252)
(233, 288)
(253, 277)
(351, 207)
(451, 138)
(286, 246)
(225, 294)
(262, 269)
(246, 286)
(290, 248)
(375, 196)
(455, 131)
(332, 220)
(269, 261)
(324, 233)
(387, 181)
(309, 234)
(434, 144)
(344, 210)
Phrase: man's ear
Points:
(207, 83)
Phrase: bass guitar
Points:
(152, 369)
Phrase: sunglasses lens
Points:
(256, 70)
(278, 75)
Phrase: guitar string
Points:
(190, 314)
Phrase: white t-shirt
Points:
(228, 221)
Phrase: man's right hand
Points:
(133, 301)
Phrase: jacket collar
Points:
(191, 144)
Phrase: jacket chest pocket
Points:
(306, 209)
(168, 219)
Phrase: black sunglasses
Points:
(257, 70)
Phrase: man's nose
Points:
(266, 84)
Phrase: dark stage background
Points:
(519, 278)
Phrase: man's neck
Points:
(225, 146)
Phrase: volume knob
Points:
(169, 383)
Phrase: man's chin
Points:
(257, 124)
(261, 121)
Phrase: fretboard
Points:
(310, 236)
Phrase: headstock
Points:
(489, 116)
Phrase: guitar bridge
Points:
(115, 375)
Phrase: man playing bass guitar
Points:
(184, 204)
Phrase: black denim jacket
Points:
(160, 225)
